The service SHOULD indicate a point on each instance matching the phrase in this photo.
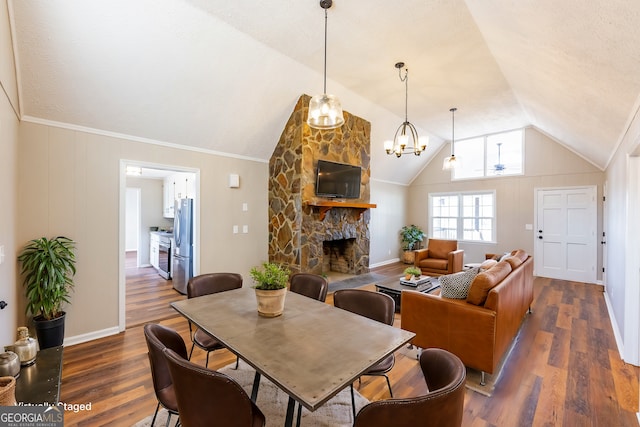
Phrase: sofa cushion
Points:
(434, 264)
(513, 261)
(485, 281)
(520, 254)
(487, 264)
(456, 285)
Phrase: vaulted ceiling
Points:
(223, 76)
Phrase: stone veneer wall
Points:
(295, 230)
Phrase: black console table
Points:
(40, 382)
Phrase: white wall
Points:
(547, 164)
(151, 199)
(622, 295)
(386, 221)
(132, 232)
(9, 288)
(69, 183)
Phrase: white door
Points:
(566, 234)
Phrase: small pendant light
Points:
(451, 162)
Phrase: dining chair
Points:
(442, 406)
(206, 284)
(208, 398)
(310, 285)
(158, 338)
(376, 306)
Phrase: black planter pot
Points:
(50, 333)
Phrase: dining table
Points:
(311, 352)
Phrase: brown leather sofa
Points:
(440, 257)
(480, 329)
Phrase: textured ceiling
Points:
(224, 76)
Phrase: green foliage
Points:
(272, 276)
(411, 236)
(414, 271)
(48, 266)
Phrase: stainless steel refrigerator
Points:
(182, 268)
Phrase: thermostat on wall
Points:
(234, 180)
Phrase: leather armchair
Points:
(440, 257)
(442, 406)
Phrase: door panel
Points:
(566, 241)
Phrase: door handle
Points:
(540, 237)
(539, 231)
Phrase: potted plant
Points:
(410, 272)
(48, 266)
(410, 237)
(271, 288)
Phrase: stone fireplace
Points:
(302, 226)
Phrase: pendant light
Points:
(451, 162)
(325, 111)
(406, 131)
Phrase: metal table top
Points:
(312, 351)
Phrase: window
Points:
(463, 216)
(489, 156)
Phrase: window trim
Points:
(460, 218)
(484, 158)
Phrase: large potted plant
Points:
(271, 288)
(48, 267)
(410, 237)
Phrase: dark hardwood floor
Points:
(564, 370)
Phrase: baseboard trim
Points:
(614, 325)
(380, 264)
(90, 336)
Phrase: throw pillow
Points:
(457, 285)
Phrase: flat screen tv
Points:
(337, 180)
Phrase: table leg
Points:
(288, 422)
(256, 384)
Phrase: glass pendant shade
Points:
(450, 163)
(325, 112)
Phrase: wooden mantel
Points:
(324, 206)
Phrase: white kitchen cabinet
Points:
(180, 185)
(168, 197)
(154, 250)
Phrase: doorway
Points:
(566, 233)
(144, 294)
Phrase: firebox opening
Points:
(338, 257)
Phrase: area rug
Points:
(272, 402)
(356, 281)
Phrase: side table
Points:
(40, 382)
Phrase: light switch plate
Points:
(235, 229)
(245, 229)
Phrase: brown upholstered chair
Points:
(206, 284)
(442, 406)
(209, 398)
(440, 257)
(310, 285)
(158, 338)
(376, 306)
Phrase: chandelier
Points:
(406, 139)
(451, 162)
(325, 111)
